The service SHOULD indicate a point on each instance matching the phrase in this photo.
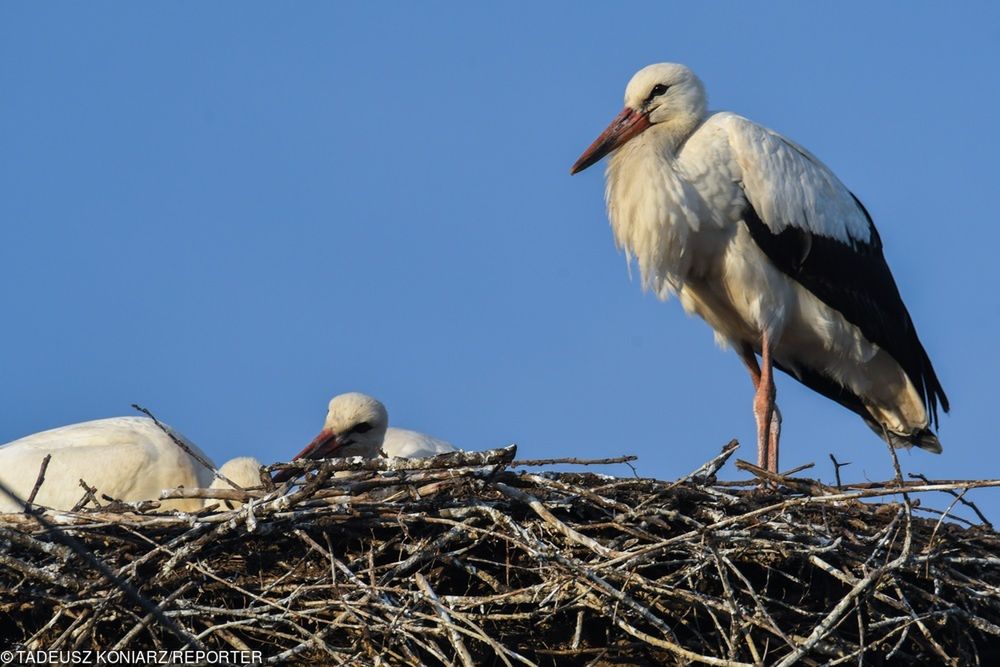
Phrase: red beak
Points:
(322, 446)
(628, 124)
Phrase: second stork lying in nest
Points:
(358, 425)
(134, 458)
(761, 240)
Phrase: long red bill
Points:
(322, 446)
(626, 125)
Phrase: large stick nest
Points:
(460, 560)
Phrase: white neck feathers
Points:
(652, 207)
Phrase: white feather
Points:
(787, 185)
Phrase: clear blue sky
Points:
(230, 212)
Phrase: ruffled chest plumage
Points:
(656, 213)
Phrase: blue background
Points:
(230, 212)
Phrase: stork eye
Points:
(363, 427)
(657, 90)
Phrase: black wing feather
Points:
(854, 279)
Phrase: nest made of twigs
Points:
(460, 560)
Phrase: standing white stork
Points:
(761, 240)
(127, 458)
(358, 425)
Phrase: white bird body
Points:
(738, 291)
(127, 458)
(413, 445)
(760, 239)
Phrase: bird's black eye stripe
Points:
(657, 90)
(363, 427)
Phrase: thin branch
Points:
(837, 465)
(573, 461)
(38, 482)
(968, 503)
(187, 449)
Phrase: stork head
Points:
(355, 426)
(244, 471)
(667, 96)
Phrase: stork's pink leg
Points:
(750, 361)
(763, 408)
(774, 432)
(767, 438)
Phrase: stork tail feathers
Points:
(925, 439)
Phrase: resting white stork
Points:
(761, 240)
(127, 458)
(358, 425)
